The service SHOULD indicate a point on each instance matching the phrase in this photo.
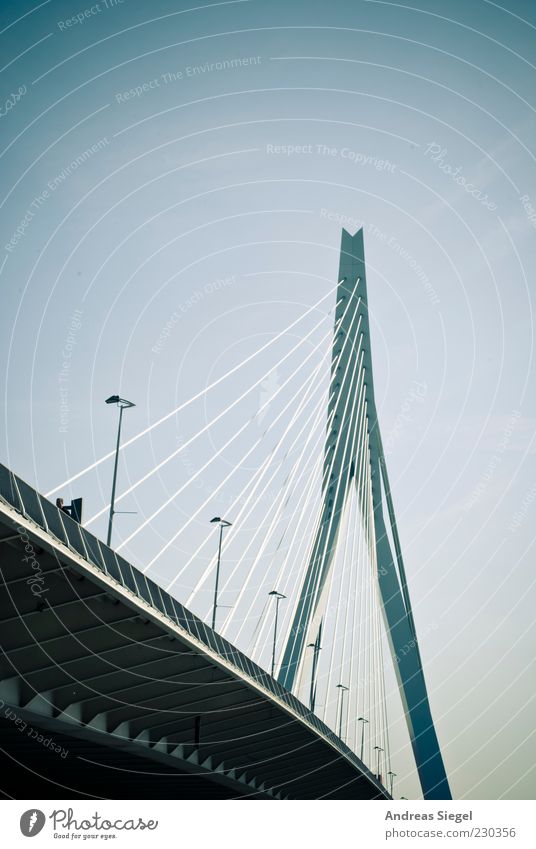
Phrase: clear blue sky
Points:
(174, 182)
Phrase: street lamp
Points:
(278, 597)
(223, 524)
(123, 404)
(343, 690)
(379, 749)
(312, 692)
(365, 722)
(391, 777)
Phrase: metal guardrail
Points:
(34, 506)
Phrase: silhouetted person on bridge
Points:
(61, 506)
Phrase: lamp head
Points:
(121, 402)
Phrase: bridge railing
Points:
(38, 509)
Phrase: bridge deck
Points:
(144, 698)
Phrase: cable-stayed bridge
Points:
(285, 697)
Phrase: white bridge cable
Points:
(311, 536)
(327, 700)
(382, 707)
(264, 468)
(384, 699)
(356, 412)
(381, 703)
(377, 702)
(259, 474)
(284, 498)
(353, 574)
(194, 397)
(373, 733)
(262, 471)
(230, 537)
(284, 577)
(340, 354)
(375, 668)
(356, 452)
(280, 584)
(354, 640)
(362, 674)
(367, 680)
(366, 612)
(352, 591)
(357, 557)
(282, 502)
(234, 467)
(334, 364)
(355, 682)
(257, 627)
(253, 484)
(205, 428)
(217, 454)
(332, 588)
(361, 439)
(305, 588)
(308, 537)
(359, 476)
(372, 579)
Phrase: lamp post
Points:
(343, 690)
(278, 597)
(391, 780)
(312, 691)
(379, 749)
(123, 404)
(365, 722)
(223, 524)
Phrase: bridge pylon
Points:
(353, 456)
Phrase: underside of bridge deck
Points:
(103, 694)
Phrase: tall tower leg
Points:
(351, 408)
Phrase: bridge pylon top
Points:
(353, 456)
